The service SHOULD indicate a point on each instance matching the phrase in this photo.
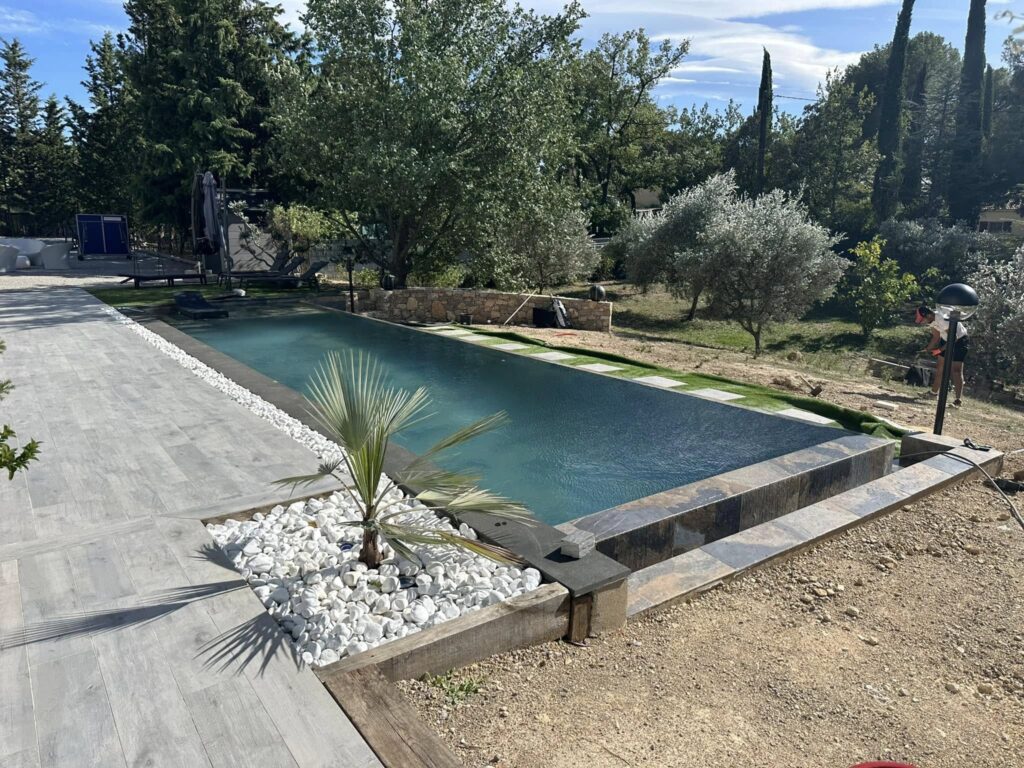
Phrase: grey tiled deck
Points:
(126, 640)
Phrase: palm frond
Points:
(325, 470)
(436, 479)
(478, 500)
(477, 428)
(437, 537)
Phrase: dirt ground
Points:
(902, 639)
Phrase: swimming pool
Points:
(577, 442)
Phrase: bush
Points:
(366, 278)
(918, 246)
(997, 329)
(875, 286)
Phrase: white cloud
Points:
(17, 22)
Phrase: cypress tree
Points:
(913, 146)
(764, 111)
(890, 129)
(963, 192)
(986, 109)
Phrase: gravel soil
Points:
(902, 639)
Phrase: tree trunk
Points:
(370, 551)
(757, 340)
(693, 306)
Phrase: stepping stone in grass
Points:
(474, 337)
(511, 346)
(797, 413)
(660, 381)
(454, 332)
(552, 356)
(599, 367)
(716, 394)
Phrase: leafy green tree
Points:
(876, 287)
(890, 131)
(105, 133)
(620, 127)
(997, 329)
(764, 117)
(696, 145)
(767, 261)
(912, 178)
(541, 245)
(200, 75)
(352, 398)
(838, 163)
(19, 114)
(929, 244)
(12, 458)
(426, 121)
(964, 191)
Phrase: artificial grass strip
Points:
(754, 396)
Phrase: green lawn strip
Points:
(161, 295)
(753, 396)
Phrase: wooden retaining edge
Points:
(388, 723)
(362, 684)
(536, 617)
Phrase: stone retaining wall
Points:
(426, 305)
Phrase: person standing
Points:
(940, 347)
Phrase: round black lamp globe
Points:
(388, 282)
(959, 297)
(597, 293)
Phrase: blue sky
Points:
(805, 37)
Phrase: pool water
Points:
(576, 442)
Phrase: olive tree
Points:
(997, 329)
(766, 261)
(542, 244)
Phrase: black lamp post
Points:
(960, 302)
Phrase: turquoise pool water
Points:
(576, 443)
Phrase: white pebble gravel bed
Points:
(303, 561)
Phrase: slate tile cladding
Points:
(655, 528)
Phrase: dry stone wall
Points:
(429, 305)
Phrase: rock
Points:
(972, 549)
(986, 689)
(251, 548)
(806, 599)
(820, 592)
(350, 578)
(871, 640)
(952, 687)
(794, 356)
(260, 564)
(904, 692)
(852, 611)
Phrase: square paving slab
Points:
(798, 413)
(660, 381)
(716, 394)
(552, 356)
(599, 367)
(512, 346)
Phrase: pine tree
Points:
(986, 107)
(200, 71)
(19, 114)
(890, 130)
(52, 189)
(913, 146)
(105, 133)
(963, 192)
(764, 112)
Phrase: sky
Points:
(806, 38)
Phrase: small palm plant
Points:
(352, 399)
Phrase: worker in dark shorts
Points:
(939, 346)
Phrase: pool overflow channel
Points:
(634, 536)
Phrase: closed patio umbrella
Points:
(212, 231)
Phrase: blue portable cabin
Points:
(102, 234)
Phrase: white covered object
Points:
(54, 256)
(8, 258)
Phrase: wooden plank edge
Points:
(388, 723)
(467, 639)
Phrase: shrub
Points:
(997, 329)
(876, 287)
(12, 459)
(918, 246)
